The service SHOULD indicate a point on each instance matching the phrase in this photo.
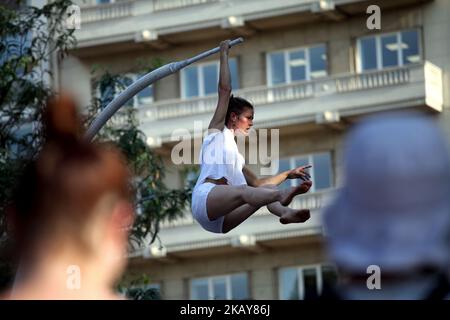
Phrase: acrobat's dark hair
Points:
(237, 105)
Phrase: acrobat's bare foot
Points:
(295, 216)
(290, 193)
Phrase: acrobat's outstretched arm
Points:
(297, 173)
(224, 89)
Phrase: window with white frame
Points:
(226, 287)
(305, 282)
(144, 96)
(388, 50)
(296, 64)
(201, 79)
(321, 171)
(14, 46)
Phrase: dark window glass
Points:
(368, 53)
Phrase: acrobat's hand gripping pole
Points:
(141, 84)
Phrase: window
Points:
(201, 80)
(388, 50)
(15, 46)
(227, 287)
(296, 65)
(145, 96)
(321, 170)
(109, 92)
(104, 1)
(306, 282)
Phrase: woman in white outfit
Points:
(227, 192)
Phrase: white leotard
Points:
(220, 157)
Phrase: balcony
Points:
(160, 5)
(184, 236)
(117, 10)
(107, 11)
(169, 21)
(319, 101)
(179, 21)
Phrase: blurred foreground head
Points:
(394, 210)
(72, 206)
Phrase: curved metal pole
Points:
(141, 84)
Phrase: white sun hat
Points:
(394, 208)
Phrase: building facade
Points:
(312, 68)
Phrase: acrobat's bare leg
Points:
(223, 199)
(293, 191)
(242, 213)
(237, 216)
(286, 214)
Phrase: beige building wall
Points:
(262, 268)
(436, 32)
(340, 38)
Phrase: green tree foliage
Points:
(29, 38)
(139, 288)
(154, 201)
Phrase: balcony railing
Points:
(123, 9)
(159, 5)
(294, 91)
(371, 80)
(313, 201)
(107, 11)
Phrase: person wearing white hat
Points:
(393, 212)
